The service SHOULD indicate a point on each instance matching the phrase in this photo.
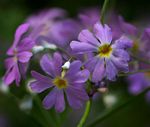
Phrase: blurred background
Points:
(14, 12)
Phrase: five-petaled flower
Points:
(70, 81)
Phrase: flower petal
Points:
(23, 69)
(80, 77)
(22, 29)
(74, 68)
(41, 78)
(39, 87)
(58, 63)
(76, 97)
(24, 56)
(26, 45)
(47, 65)
(51, 66)
(9, 77)
(122, 54)
(99, 71)
(90, 64)
(111, 70)
(120, 64)
(49, 100)
(87, 36)
(60, 101)
(103, 33)
(78, 92)
(122, 43)
(9, 62)
(17, 75)
(81, 47)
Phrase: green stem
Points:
(85, 115)
(109, 113)
(104, 9)
(134, 72)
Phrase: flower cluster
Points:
(87, 53)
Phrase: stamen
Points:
(60, 82)
(105, 50)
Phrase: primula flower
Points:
(71, 82)
(109, 57)
(20, 54)
(43, 21)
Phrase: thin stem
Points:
(104, 9)
(85, 115)
(117, 108)
(134, 72)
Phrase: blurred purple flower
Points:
(71, 82)
(89, 17)
(20, 54)
(144, 44)
(53, 27)
(43, 21)
(109, 57)
(62, 32)
(139, 82)
(119, 26)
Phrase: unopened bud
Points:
(66, 65)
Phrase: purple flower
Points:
(89, 17)
(71, 82)
(20, 54)
(109, 58)
(42, 22)
(119, 26)
(53, 27)
(139, 82)
(144, 44)
(62, 32)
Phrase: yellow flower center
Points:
(60, 82)
(135, 47)
(105, 50)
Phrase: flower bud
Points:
(66, 65)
